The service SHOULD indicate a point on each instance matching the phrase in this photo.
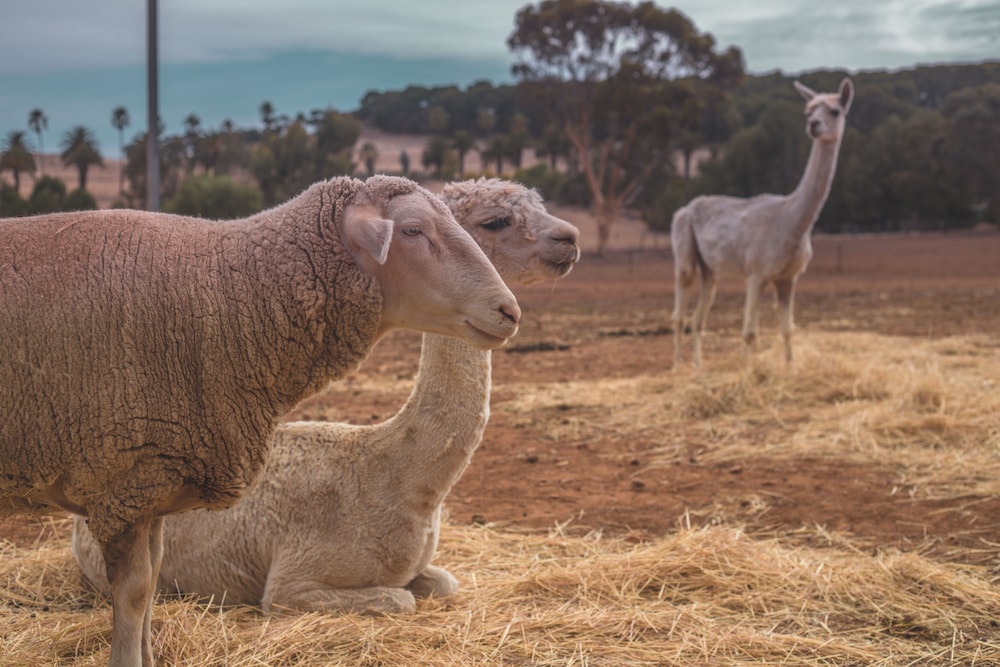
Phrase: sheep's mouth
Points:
(486, 340)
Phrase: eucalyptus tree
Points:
(607, 73)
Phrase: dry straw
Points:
(696, 597)
(704, 596)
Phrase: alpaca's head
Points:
(826, 113)
(509, 221)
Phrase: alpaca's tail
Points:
(687, 258)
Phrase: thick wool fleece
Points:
(147, 353)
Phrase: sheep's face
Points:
(510, 223)
(826, 113)
(432, 274)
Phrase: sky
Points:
(220, 59)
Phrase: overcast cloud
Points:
(219, 59)
(791, 35)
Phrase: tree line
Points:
(626, 106)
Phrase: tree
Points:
(974, 146)
(267, 116)
(369, 154)
(16, 157)
(38, 121)
(462, 141)
(495, 151)
(434, 154)
(606, 73)
(120, 120)
(192, 127)
(79, 149)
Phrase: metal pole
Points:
(152, 103)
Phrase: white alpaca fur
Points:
(346, 517)
(765, 238)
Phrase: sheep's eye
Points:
(496, 223)
(835, 112)
(411, 231)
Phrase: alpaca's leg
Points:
(129, 568)
(291, 584)
(435, 581)
(786, 300)
(706, 295)
(754, 287)
(682, 293)
(309, 595)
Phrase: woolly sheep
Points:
(148, 357)
(346, 517)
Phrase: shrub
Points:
(215, 197)
(48, 196)
(80, 200)
(12, 204)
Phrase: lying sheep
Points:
(147, 358)
(346, 517)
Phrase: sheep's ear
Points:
(804, 90)
(846, 94)
(366, 232)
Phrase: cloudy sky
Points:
(221, 58)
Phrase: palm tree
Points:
(120, 120)
(192, 126)
(79, 149)
(16, 156)
(38, 121)
(267, 115)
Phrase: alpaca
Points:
(765, 238)
(346, 517)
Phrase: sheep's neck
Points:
(293, 330)
(442, 423)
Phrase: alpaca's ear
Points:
(804, 90)
(846, 94)
(366, 233)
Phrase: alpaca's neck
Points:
(442, 423)
(807, 200)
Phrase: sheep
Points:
(148, 358)
(346, 517)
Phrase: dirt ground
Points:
(610, 319)
(523, 478)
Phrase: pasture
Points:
(844, 512)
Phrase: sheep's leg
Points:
(682, 293)
(435, 581)
(754, 286)
(786, 299)
(155, 560)
(130, 579)
(706, 295)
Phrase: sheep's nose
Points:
(511, 312)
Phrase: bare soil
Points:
(610, 319)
